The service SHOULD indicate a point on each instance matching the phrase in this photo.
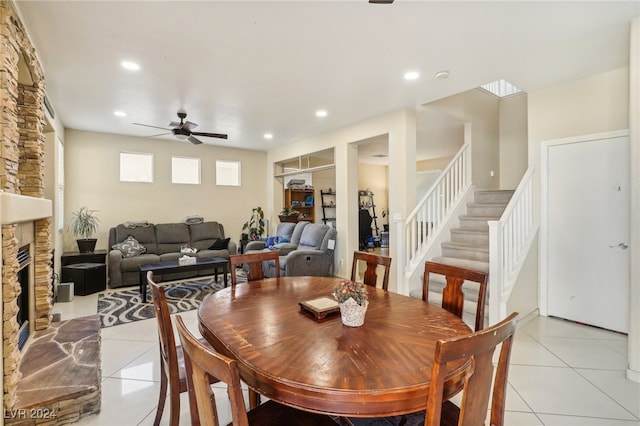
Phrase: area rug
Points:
(125, 306)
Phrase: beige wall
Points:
(513, 140)
(92, 179)
(433, 164)
(595, 104)
(481, 110)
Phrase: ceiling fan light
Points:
(181, 136)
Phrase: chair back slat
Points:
(165, 331)
(372, 262)
(254, 262)
(452, 295)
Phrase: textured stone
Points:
(61, 373)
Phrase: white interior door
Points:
(588, 219)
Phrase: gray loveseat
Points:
(163, 243)
(307, 250)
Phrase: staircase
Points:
(468, 246)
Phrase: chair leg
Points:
(174, 400)
(163, 397)
(254, 399)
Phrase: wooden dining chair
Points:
(203, 362)
(254, 262)
(372, 261)
(173, 376)
(478, 348)
(452, 294)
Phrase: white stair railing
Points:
(509, 241)
(425, 221)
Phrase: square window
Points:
(136, 167)
(227, 173)
(185, 170)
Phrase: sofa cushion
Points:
(130, 264)
(130, 247)
(170, 237)
(203, 235)
(145, 235)
(312, 236)
(221, 244)
(284, 231)
(297, 232)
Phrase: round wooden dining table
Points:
(382, 368)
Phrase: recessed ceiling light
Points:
(120, 113)
(411, 75)
(441, 75)
(321, 113)
(268, 136)
(131, 66)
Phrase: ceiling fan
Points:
(183, 130)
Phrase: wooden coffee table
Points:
(174, 266)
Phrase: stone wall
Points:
(22, 145)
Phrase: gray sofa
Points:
(163, 243)
(308, 249)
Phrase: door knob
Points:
(622, 246)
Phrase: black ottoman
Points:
(87, 278)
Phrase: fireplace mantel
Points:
(16, 208)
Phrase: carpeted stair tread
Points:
(463, 263)
(464, 246)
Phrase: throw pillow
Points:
(272, 241)
(130, 247)
(220, 244)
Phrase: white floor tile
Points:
(617, 386)
(553, 390)
(551, 420)
(124, 402)
(527, 351)
(116, 354)
(513, 418)
(585, 353)
(144, 367)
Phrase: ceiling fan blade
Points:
(189, 125)
(210, 135)
(147, 125)
(194, 140)
(174, 124)
(160, 134)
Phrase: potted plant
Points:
(288, 214)
(353, 300)
(84, 224)
(255, 224)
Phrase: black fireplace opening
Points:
(24, 260)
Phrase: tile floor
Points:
(561, 374)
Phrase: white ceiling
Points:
(247, 68)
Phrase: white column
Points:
(346, 161)
(633, 371)
(402, 189)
